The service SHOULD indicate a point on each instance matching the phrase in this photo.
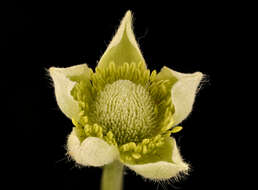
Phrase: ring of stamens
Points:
(127, 107)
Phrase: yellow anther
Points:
(125, 147)
(90, 71)
(151, 145)
(163, 88)
(168, 126)
(128, 158)
(176, 129)
(132, 145)
(96, 129)
(147, 73)
(81, 113)
(145, 141)
(138, 148)
(157, 138)
(110, 135)
(75, 123)
(87, 129)
(156, 109)
(168, 102)
(85, 119)
(144, 149)
(81, 104)
(98, 70)
(159, 144)
(136, 155)
(153, 75)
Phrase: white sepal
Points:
(123, 46)
(183, 91)
(163, 170)
(92, 151)
(63, 86)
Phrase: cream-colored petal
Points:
(63, 85)
(91, 152)
(183, 95)
(123, 47)
(183, 92)
(163, 170)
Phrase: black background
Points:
(186, 37)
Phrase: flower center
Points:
(126, 109)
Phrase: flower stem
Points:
(112, 176)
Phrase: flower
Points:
(123, 112)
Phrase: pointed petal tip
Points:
(51, 70)
(198, 75)
(128, 14)
(123, 46)
(128, 22)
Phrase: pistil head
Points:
(126, 109)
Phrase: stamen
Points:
(127, 107)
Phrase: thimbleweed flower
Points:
(123, 114)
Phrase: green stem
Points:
(112, 176)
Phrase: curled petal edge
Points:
(91, 152)
(163, 170)
(183, 91)
(63, 86)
